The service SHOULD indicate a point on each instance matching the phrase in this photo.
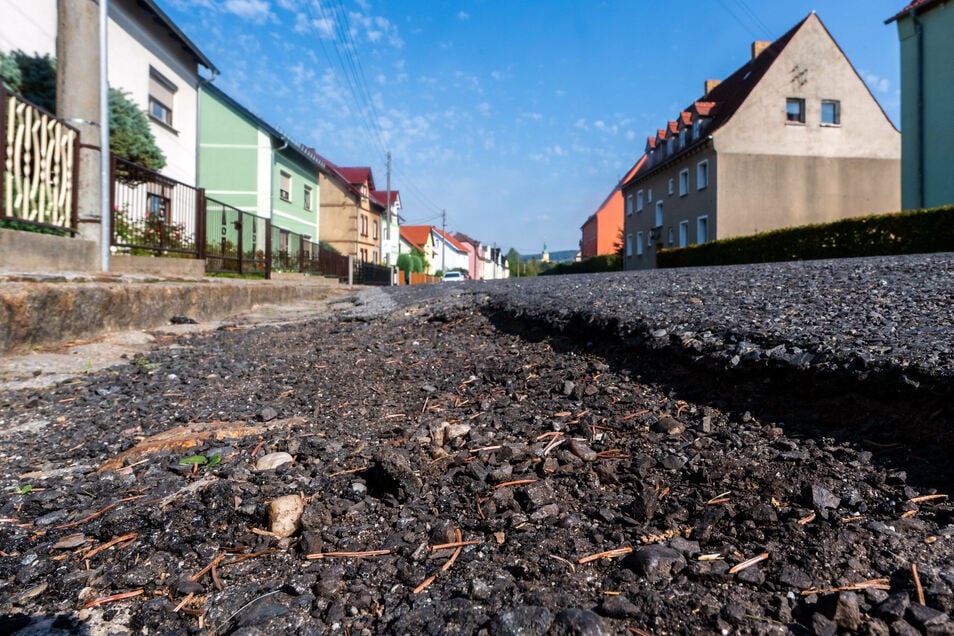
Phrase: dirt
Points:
(136, 499)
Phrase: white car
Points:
(453, 277)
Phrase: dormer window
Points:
(670, 145)
(682, 138)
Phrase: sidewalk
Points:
(44, 309)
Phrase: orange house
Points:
(601, 232)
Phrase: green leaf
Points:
(193, 459)
(215, 459)
(24, 489)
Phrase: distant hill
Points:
(560, 256)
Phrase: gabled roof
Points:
(619, 186)
(358, 176)
(176, 34)
(416, 235)
(722, 102)
(450, 240)
(382, 197)
(332, 170)
(917, 6)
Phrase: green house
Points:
(926, 31)
(246, 163)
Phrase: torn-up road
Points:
(753, 450)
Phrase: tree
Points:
(618, 245)
(513, 262)
(130, 138)
(129, 133)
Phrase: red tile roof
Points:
(703, 109)
(451, 240)
(416, 235)
(358, 175)
(918, 6)
(728, 96)
(685, 118)
(673, 127)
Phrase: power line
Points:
(735, 17)
(766, 31)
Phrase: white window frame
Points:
(702, 175)
(629, 205)
(702, 221)
(629, 244)
(672, 186)
(682, 138)
(639, 200)
(684, 182)
(683, 233)
(670, 237)
(306, 196)
(162, 95)
(649, 195)
(639, 243)
(659, 214)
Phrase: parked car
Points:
(453, 277)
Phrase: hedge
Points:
(910, 232)
(603, 263)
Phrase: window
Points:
(702, 229)
(671, 186)
(307, 197)
(639, 201)
(374, 231)
(683, 233)
(364, 229)
(284, 186)
(670, 144)
(659, 214)
(629, 204)
(795, 110)
(639, 243)
(649, 195)
(682, 138)
(684, 182)
(162, 95)
(830, 112)
(629, 245)
(696, 125)
(375, 256)
(702, 175)
(671, 240)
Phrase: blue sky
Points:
(516, 116)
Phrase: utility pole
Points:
(443, 239)
(78, 99)
(387, 216)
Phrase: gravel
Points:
(749, 449)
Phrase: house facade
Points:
(450, 253)
(926, 32)
(390, 225)
(601, 231)
(150, 59)
(419, 237)
(793, 137)
(351, 217)
(246, 163)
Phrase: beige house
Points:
(791, 138)
(351, 218)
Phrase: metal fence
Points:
(153, 214)
(293, 252)
(372, 274)
(39, 161)
(236, 241)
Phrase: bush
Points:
(602, 263)
(911, 232)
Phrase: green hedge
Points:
(605, 263)
(913, 232)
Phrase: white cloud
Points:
(580, 123)
(463, 15)
(256, 10)
(877, 83)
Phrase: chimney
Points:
(758, 46)
(711, 84)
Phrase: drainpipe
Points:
(919, 32)
(106, 212)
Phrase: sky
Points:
(517, 117)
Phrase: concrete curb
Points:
(40, 310)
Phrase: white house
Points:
(148, 57)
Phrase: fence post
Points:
(3, 150)
(268, 249)
(201, 221)
(350, 270)
(241, 242)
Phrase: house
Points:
(390, 224)
(419, 237)
(442, 251)
(149, 58)
(351, 217)
(601, 231)
(475, 264)
(926, 31)
(793, 137)
(248, 164)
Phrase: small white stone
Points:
(273, 460)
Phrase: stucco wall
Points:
(339, 222)
(758, 193)
(938, 162)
